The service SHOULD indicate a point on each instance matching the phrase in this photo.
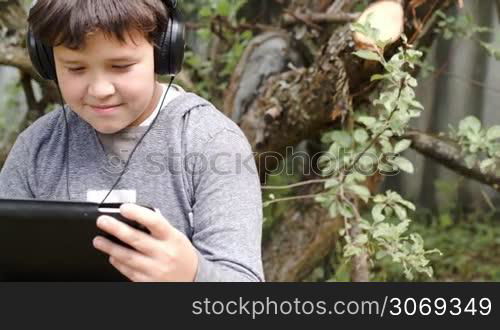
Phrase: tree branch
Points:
(319, 18)
(13, 51)
(447, 153)
(10, 13)
(340, 5)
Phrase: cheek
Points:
(72, 89)
(133, 86)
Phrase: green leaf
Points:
(493, 133)
(332, 182)
(469, 123)
(386, 146)
(470, 160)
(412, 82)
(367, 121)
(204, 33)
(380, 199)
(388, 211)
(387, 168)
(342, 138)
(402, 146)
(377, 212)
(367, 55)
(380, 254)
(345, 211)
(360, 135)
(400, 211)
(361, 191)
(321, 199)
(355, 177)
(205, 12)
(404, 164)
(407, 204)
(333, 210)
(417, 104)
(223, 8)
(378, 77)
(487, 164)
(361, 239)
(365, 225)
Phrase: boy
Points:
(194, 165)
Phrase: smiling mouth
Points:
(104, 107)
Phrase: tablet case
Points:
(44, 240)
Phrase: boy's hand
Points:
(165, 255)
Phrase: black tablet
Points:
(52, 241)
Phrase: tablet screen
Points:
(52, 241)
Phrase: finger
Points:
(123, 255)
(131, 273)
(155, 222)
(135, 238)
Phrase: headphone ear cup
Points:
(170, 54)
(162, 52)
(41, 56)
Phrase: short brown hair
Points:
(68, 22)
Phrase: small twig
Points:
(217, 30)
(298, 17)
(242, 27)
(337, 6)
(194, 25)
(488, 200)
(427, 17)
(267, 203)
(354, 208)
(374, 140)
(471, 81)
(320, 18)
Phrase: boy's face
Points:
(94, 77)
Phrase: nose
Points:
(100, 88)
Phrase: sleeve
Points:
(227, 212)
(14, 176)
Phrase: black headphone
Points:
(168, 57)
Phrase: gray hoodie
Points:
(195, 166)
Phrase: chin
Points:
(107, 129)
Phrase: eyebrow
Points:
(115, 59)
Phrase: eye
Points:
(75, 69)
(122, 66)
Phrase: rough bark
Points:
(448, 154)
